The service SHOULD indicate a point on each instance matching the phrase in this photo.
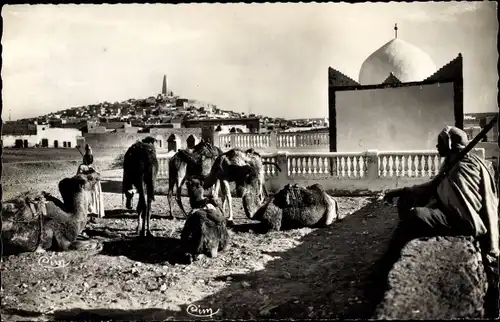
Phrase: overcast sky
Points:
(269, 59)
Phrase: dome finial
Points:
(396, 30)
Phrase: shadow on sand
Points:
(325, 276)
(115, 186)
(111, 186)
(152, 250)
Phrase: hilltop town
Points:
(165, 110)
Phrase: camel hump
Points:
(297, 196)
(316, 187)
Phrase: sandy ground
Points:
(302, 273)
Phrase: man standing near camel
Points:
(96, 204)
(465, 202)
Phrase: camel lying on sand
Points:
(297, 207)
(205, 231)
(40, 221)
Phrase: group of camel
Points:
(204, 167)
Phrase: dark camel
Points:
(297, 207)
(140, 169)
(205, 230)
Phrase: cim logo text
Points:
(198, 311)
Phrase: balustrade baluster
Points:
(325, 165)
(356, 167)
(381, 166)
(388, 166)
(342, 166)
(364, 161)
(434, 165)
(397, 165)
(420, 168)
(413, 166)
(293, 167)
(429, 165)
(425, 167)
(315, 165)
(384, 166)
(348, 168)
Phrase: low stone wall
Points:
(437, 278)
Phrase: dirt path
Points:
(303, 273)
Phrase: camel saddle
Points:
(297, 196)
(37, 205)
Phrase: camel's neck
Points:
(80, 204)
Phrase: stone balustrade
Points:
(273, 142)
(369, 171)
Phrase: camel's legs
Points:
(178, 196)
(140, 209)
(226, 191)
(216, 189)
(171, 183)
(148, 218)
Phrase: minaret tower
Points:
(395, 30)
(164, 87)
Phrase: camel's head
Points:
(246, 171)
(75, 191)
(149, 139)
(194, 185)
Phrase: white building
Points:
(32, 135)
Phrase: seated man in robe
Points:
(465, 202)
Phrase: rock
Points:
(287, 275)
(438, 278)
(245, 284)
(163, 287)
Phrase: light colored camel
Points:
(40, 221)
(245, 169)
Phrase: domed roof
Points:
(405, 61)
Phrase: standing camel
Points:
(245, 169)
(197, 162)
(140, 169)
